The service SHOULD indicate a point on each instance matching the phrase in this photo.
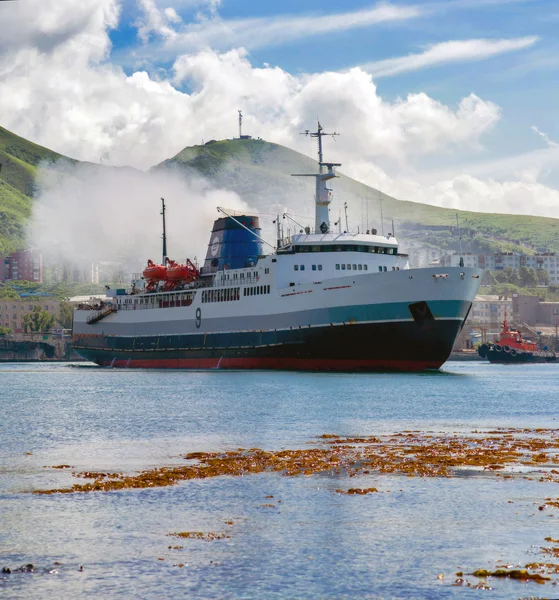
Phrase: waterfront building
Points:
(548, 261)
(490, 309)
(534, 312)
(22, 265)
(12, 312)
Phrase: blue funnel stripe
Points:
(232, 246)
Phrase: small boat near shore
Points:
(513, 348)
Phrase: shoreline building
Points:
(548, 262)
(22, 265)
(490, 309)
(12, 312)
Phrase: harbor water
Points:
(276, 536)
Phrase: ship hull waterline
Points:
(506, 358)
(395, 346)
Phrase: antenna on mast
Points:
(319, 134)
(323, 195)
(240, 124)
(164, 232)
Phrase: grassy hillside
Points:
(260, 172)
(19, 159)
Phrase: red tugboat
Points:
(513, 348)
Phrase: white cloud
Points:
(447, 52)
(66, 97)
(45, 25)
(254, 33)
(156, 22)
(280, 104)
(545, 137)
(516, 197)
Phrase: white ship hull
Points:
(406, 319)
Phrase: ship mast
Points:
(323, 195)
(164, 232)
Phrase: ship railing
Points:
(530, 329)
(219, 283)
(101, 314)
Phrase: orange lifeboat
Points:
(176, 272)
(180, 274)
(155, 272)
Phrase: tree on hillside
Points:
(543, 277)
(528, 277)
(66, 314)
(5, 331)
(508, 275)
(7, 293)
(38, 320)
(488, 278)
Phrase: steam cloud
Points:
(88, 213)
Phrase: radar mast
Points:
(323, 195)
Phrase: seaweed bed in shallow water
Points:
(411, 453)
(507, 453)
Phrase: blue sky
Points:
(522, 82)
(452, 102)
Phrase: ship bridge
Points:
(340, 242)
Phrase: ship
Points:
(319, 300)
(511, 347)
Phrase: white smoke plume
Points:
(88, 213)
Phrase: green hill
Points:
(19, 159)
(260, 172)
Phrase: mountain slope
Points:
(19, 159)
(260, 172)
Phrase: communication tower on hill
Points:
(241, 136)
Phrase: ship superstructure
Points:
(322, 300)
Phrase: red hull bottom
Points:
(284, 364)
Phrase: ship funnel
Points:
(232, 246)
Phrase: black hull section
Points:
(516, 357)
(524, 357)
(406, 346)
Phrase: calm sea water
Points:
(315, 543)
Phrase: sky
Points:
(449, 102)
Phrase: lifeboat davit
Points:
(155, 272)
(177, 273)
